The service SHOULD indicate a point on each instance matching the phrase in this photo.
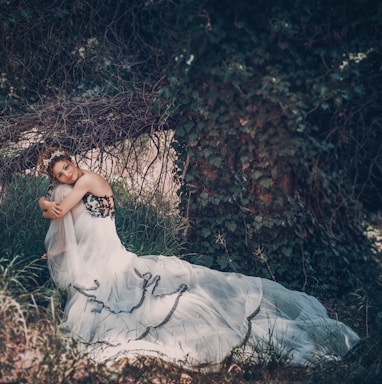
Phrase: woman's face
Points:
(65, 172)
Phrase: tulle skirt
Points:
(122, 305)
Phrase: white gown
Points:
(119, 304)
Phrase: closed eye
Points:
(65, 167)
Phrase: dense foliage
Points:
(270, 99)
(74, 49)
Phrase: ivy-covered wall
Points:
(259, 89)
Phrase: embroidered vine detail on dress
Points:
(99, 206)
(249, 330)
(148, 281)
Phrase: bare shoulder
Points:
(94, 183)
(87, 177)
(93, 177)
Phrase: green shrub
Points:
(22, 228)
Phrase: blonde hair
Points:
(49, 158)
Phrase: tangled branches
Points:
(77, 126)
(81, 75)
(52, 48)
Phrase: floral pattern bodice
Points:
(99, 206)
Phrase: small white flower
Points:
(55, 154)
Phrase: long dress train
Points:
(119, 304)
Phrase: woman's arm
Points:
(80, 189)
(50, 209)
(58, 209)
(43, 203)
(87, 183)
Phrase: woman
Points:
(119, 304)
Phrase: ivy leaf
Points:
(188, 178)
(231, 225)
(180, 131)
(189, 126)
(208, 260)
(268, 223)
(325, 106)
(207, 152)
(216, 161)
(258, 219)
(206, 232)
(223, 261)
(204, 195)
(267, 182)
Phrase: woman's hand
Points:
(52, 210)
